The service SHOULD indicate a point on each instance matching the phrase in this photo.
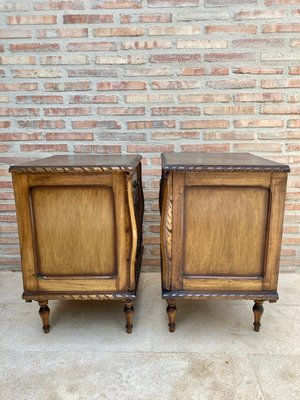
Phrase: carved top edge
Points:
(220, 162)
(79, 164)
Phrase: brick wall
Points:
(108, 76)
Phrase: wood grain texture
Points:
(224, 213)
(74, 230)
(224, 230)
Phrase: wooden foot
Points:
(44, 314)
(171, 310)
(129, 311)
(258, 310)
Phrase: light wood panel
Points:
(74, 230)
(225, 230)
(222, 284)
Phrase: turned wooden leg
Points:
(171, 310)
(258, 310)
(129, 311)
(44, 314)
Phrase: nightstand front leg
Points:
(129, 312)
(171, 310)
(44, 314)
(258, 310)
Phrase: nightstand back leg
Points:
(171, 310)
(44, 314)
(129, 312)
(258, 310)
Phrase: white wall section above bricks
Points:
(138, 76)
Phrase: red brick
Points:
(11, 60)
(135, 31)
(175, 85)
(232, 84)
(289, 109)
(149, 98)
(124, 85)
(275, 83)
(5, 124)
(294, 70)
(64, 59)
(146, 45)
(175, 135)
(15, 33)
(204, 98)
(204, 124)
(59, 5)
(257, 71)
(222, 57)
(42, 124)
(121, 110)
(261, 43)
(173, 30)
(293, 147)
(259, 147)
(18, 87)
(31, 19)
(192, 71)
(259, 97)
(259, 14)
(69, 136)
(43, 147)
(87, 19)
(281, 28)
(224, 136)
(111, 4)
(34, 47)
(151, 124)
(40, 99)
(36, 73)
(135, 148)
(18, 136)
(153, 18)
(230, 110)
(92, 46)
(259, 123)
(103, 149)
(62, 33)
(175, 111)
(85, 99)
(172, 3)
(96, 124)
(228, 3)
(92, 72)
(19, 112)
(293, 123)
(4, 148)
(177, 58)
(206, 147)
(68, 111)
(67, 86)
(236, 29)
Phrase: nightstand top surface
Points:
(220, 162)
(79, 163)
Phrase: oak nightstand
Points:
(221, 228)
(80, 229)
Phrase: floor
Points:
(214, 353)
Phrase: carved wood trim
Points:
(273, 296)
(77, 296)
(133, 233)
(73, 170)
(166, 227)
(225, 168)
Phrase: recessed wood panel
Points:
(225, 230)
(74, 230)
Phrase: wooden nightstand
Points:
(80, 228)
(221, 228)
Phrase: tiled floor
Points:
(214, 353)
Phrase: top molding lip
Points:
(220, 162)
(79, 164)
